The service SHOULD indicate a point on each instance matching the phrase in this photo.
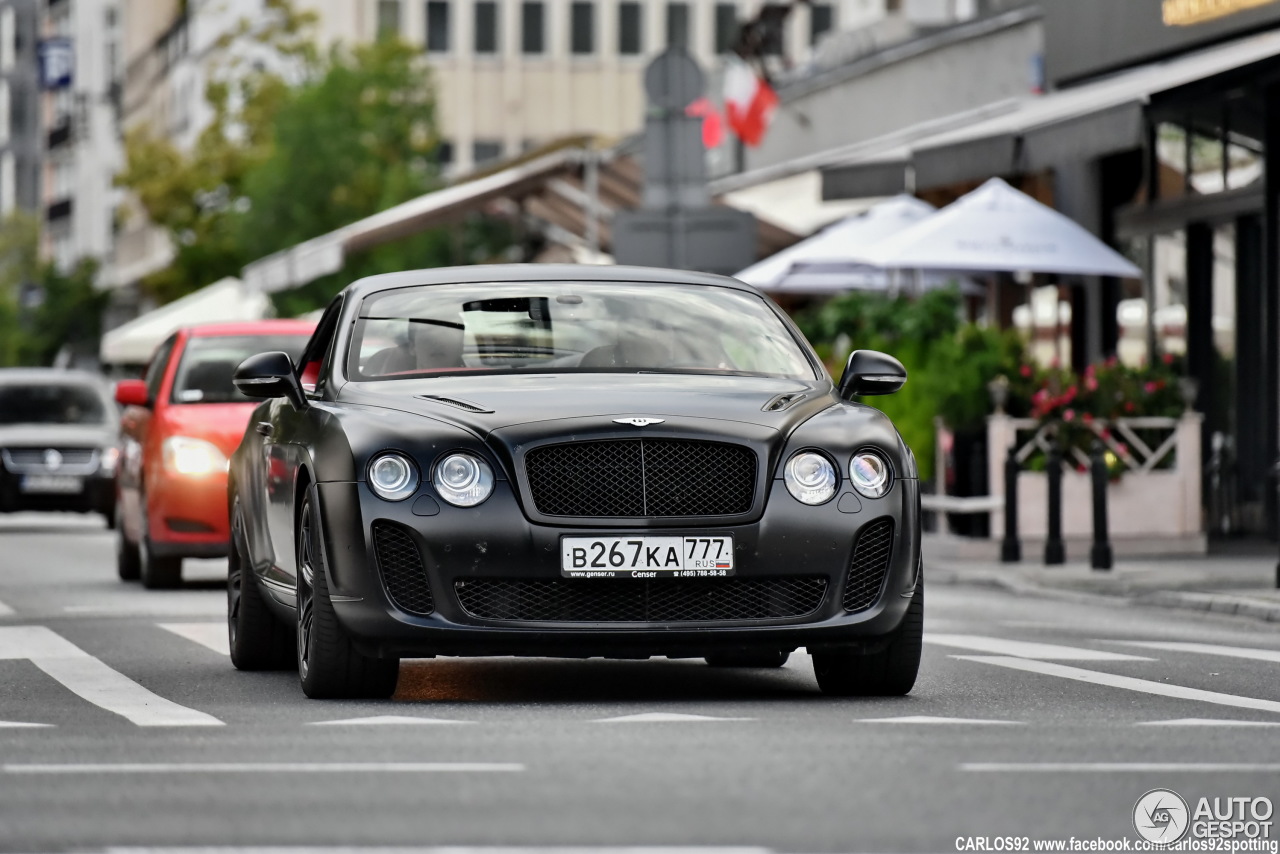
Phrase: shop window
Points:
(726, 27)
(821, 21)
(582, 28)
(630, 29)
(437, 26)
(486, 29)
(679, 26)
(532, 27)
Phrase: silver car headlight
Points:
(810, 478)
(393, 476)
(870, 474)
(464, 480)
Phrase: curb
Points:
(1214, 603)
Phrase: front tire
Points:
(329, 666)
(128, 562)
(158, 573)
(888, 672)
(258, 640)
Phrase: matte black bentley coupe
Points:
(570, 461)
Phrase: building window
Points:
(486, 26)
(485, 151)
(437, 26)
(444, 153)
(582, 28)
(630, 28)
(821, 21)
(679, 26)
(726, 27)
(388, 19)
(532, 27)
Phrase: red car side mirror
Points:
(132, 393)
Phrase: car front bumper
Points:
(496, 542)
(97, 495)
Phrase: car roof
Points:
(253, 327)
(481, 273)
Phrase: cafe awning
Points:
(1092, 120)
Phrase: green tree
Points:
(19, 266)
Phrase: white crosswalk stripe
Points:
(664, 717)
(1026, 649)
(1250, 653)
(928, 719)
(1207, 722)
(209, 635)
(94, 681)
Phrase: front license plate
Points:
(646, 557)
(52, 484)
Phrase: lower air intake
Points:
(403, 574)
(660, 601)
(870, 565)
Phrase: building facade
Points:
(21, 138)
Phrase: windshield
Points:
(51, 404)
(204, 375)
(609, 327)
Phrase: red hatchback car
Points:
(178, 429)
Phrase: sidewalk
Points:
(1244, 585)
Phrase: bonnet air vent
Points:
(464, 405)
(782, 401)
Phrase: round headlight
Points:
(870, 474)
(393, 477)
(810, 478)
(463, 480)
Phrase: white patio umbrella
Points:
(834, 259)
(999, 229)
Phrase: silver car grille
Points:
(71, 461)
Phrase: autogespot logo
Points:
(1161, 816)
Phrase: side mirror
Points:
(132, 393)
(269, 375)
(870, 372)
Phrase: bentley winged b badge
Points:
(639, 422)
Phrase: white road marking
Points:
(445, 849)
(927, 719)
(5, 610)
(94, 681)
(664, 717)
(1027, 649)
(1206, 722)
(21, 725)
(1125, 767)
(1128, 683)
(210, 635)
(163, 606)
(384, 720)
(263, 768)
(1272, 655)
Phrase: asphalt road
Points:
(122, 723)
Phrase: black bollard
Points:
(1054, 552)
(1010, 547)
(1100, 555)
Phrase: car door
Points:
(135, 430)
(285, 446)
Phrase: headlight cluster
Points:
(812, 479)
(192, 457)
(462, 479)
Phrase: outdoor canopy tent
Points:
(226, 300)
(996, 228)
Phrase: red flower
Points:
(1106, 433)
(1087, 418)
(1128, 406)
(1150, 387)
(1167, 358)
(1112, 362)
(1090, 383)
(1069, 415)
(1026, 370)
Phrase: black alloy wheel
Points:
(258, 640)
(889, 671)
(329, 666)
(128, 562)
(748, 659)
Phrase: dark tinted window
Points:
(726, 27)
(51, 404)
(485, 150)
(630, 29)
(204, 374)
(532, 24)
(582, 28)
(486, 26)
(388, 18)
(679, 26)
(437, 26)
(821, 20)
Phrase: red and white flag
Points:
(749, 103)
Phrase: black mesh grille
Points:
(403, 574)
(642, 477)
(662, 601)
(870, 565)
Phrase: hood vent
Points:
(783, 402)
(464, 405)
